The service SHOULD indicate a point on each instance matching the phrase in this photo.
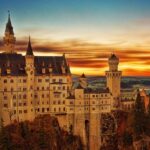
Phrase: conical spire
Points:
(9, 28)
(29, 48)
(83, 75)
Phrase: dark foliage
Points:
(43, 133)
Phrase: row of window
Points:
(35, 96)
(12, 89)
(58, 102)
(128, 106)
(96, 95)
(25, 80)
(15, 97)
(53, 80)
(20, 111)
(93, 108)
(12, 80)
(59, 109)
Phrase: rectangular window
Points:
(11, 81)
(60, 80)
(46, 80)
(54, 80)
(14, 96)
(20, 111)
(25, 111)
(5, 105)
(5, 97)
(39, 80)
(24, 96)
(24, 80)
(5, 81)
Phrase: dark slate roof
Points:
(83, 76)
(90, 90)
(113, 57)
(29, 49)
(14, 62)
(17, 64)
(9, 27)
(55, 62)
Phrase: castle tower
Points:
(113, 76)
(30, 80)
(83, 81)
(9, 38)
(79, 116)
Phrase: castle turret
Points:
(113, 76)
(9, 38)
(30, 80)
(83, 81)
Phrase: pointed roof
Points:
(9, 28)
(29, 48)
(113, 57)
(83, 76)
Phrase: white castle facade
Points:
(33, 85)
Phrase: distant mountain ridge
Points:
(126, 81)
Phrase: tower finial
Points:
(29, 48)
(8, 13)
(29, 37)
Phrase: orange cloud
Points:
(91, 58)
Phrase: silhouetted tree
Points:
(139, 116)
(127, 139)
(5, 139)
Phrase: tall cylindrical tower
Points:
(113, 76)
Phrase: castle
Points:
(32, 85)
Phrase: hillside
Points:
(44, 133)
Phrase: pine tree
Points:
(139, 116)
(148, 120)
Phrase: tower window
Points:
(54, 80)
(5, 105)
(5, 81)
(25, 111)
(12, 81)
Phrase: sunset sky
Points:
(88, 31)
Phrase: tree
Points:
(139, 117)
(5, 139)
(127, 139)
(148, 120)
